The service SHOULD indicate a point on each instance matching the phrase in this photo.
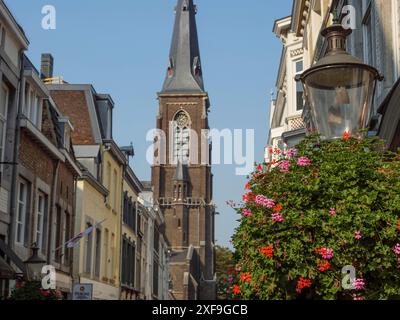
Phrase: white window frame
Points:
(181, 144)
(40, 217)
(115, 189)
(368, 23)
(21, 213)
(3, 119)
(295, 72)
(33, 106)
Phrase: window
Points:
(98, 254)
(22, 214)
(181, 137)
(33, 106)
(299, 86)
(108, 180)
(41, 208)
(88, 251)
(128, 263)
(129, 212)
(106, 268)
(59, 234)
(156, 239)
(138, 273)
(67, 235)
(4, 96)
(368, 32)
(115, 190)
(124, 276)
(67, 137)
(112, 257)
(155, 278)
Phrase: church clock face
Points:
(182, 120)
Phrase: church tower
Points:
(182, 180)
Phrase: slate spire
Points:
(184, 72)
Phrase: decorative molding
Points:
(182, 104)
(296, 52)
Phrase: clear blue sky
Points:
(121, 47)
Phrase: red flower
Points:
(236, 290)
(326, 253)
(324, 266)
(44, 293)
(248, 197)
(270, 151)
(245, 277)
(259, 167)
(303, 283)
(267, 251)
(248, 186)
(256, 175)
(278, 152)
(277, 208)
(346, 136)
(18, 284)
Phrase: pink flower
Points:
(247, 212)
(265, 202)
(357, 235)
(396, 249)
(325, 253)
(284, 165)
(303, 162)
(291, 153)
(277, 217)
(332, 212)
(359, 284)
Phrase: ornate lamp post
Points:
(339, 88)
(34, 264)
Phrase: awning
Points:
(6, 272)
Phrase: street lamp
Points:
(339, 88)
(34, 264)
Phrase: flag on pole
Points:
(72, 243)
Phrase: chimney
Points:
(46, 69)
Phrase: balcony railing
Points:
(295, 123)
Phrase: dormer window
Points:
(66, 129)
(171, 68)
(33, 106)
(196, 67)
(67, 138)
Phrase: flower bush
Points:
(32, 290)
(318, 208)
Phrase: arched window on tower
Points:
(181, 137)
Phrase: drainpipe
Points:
(17, 140)
(74, 271)
(52, 211)
(120, 230)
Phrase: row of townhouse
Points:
(61, 173)
(375, 40)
